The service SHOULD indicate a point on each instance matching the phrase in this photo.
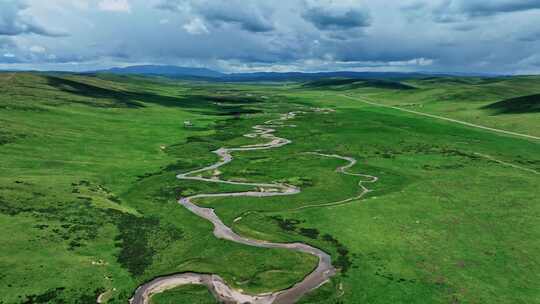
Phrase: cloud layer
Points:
(14, 22)
(496, 36)
(331, 15)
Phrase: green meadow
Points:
(189, 294)
(88, 194)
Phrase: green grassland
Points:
(88, 190)
(189, 294)
(485, 101)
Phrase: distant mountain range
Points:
(164, 70)
(207, 74)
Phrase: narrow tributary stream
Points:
(223, 292)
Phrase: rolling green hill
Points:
(466, 99)
(349, 84)
(88, 194)
(518, 105)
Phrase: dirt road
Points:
(370, 102)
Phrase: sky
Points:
(465, 36)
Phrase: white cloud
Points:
(164, 21)
(416, 61)
(15, 20)
(115, 6)
(196, 27)
(37, 49)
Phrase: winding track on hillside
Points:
(373, 103)
(215, 283)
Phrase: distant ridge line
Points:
(202, 73)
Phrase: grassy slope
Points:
(466, 99)
(90, 179)
(443, 224)
(190, 294)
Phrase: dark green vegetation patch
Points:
(350, 84)
(189, 294)
(525, 104)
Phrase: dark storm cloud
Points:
(325, 18)
(247, 15)
(492, 7)
(248, 18)
(13, 22)
(238, 35)
(448, 11)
